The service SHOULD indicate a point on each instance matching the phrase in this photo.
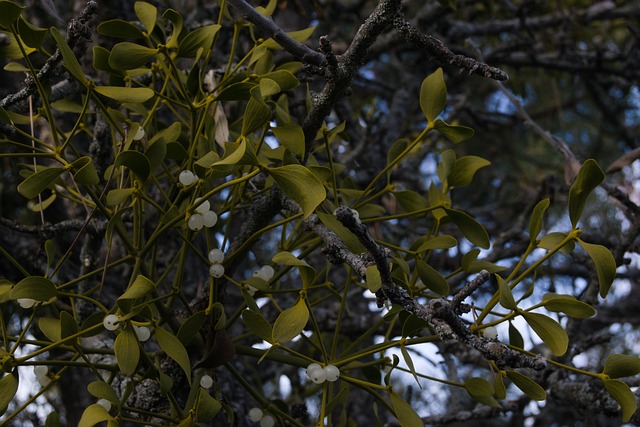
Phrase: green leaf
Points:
(300, 36)
(128, 56)
(206, 407)
(174, 349)
(405, 414)
(85, 173)
(9, 13)
(284, 78)
(34, 287)
(37, 182)
(50, 327)
(407, 359)
(438, 242)
(8, 388)
(118, 196)
(238, 153)
(515, 338)
(268, 87)
(498, 386)
(624, 396)
(605, 265)
(258, 325)
(68, 325)
(535, 223)
(190, 327)
(119, 28)
(196, 39)
(347, 237)
(127, 350)
(138, 289)
(136, 161)
(549, 331)
(453, 133)
(374, 282)
(411, 201)
(464, 169)
(589, 177)
(433, 95)
(301, 185)
(125, 94)
(568, 305)
(551, 240)
(482, 391)
(147, 14)
(94, 414)
(102, 390)
(32, 36)
(70, 61)
(292, 137)
(506, 296)
(621, 365)
(471, 228)
(431, 278)
(176, 21)
(256, 115)
(156, 153)
(527, 385)
(290, 323)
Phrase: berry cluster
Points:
(318, 374)
(266, 273)
(202, 217)
(256, 414)
(40, 372)
(216, 256)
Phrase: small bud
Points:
(26, 302)
(105, 404)
(490, 333)
(332, 373)
(267, 421)
(110, 322)
(196, 222)
(206, 381)
(209, 218)
(216, 270)
(255, 414)
(216, 256)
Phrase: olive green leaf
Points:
(206, 406)
(84, 172)
(515, 338)
(136, 161)
(140, 288)
(549, 331)
(128, 56)
(8, 388)
(256, 114)
(605, 264)
(190, 327)
(258, 325)
(374, 282)
(38, 181)
(174, 349)
(102, 390)
(438, 242)
(119, 28)
(433, 95)
(127, 350)
(589, 177)
(535, 223)
(70, 62)
(200, 38)
(472, 229)
(147, 14)
(624, 396)
(431, 278)
(9, 13)
(94, 414)
(454, 133)
(405, 414)
(300, 36)
(301, 185)
(292, 137)
(568, 305)
(125, 94)
(506, 296)
(34, 287)
(290, 323)
(621, 365)
(464, 170)
(482, 391)
(527, 385)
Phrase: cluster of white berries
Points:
(111, 322)
(318, 374)
(256, 414)
(202, 217)
(143, 333)
(26, 302)
(206, 381)
(490, 332)
(40, 372)
(266, 273)
(216, 256)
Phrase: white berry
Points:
(44, 380)
(187, 178)
(332, 373)
(255, 414)
(251, 290)
(26, 302)
(105, 404)
(490, 332)
(196, 222)
(216, 270)
(316, 373)
(110, 322)
(139, 134)
(142, 332)
(216, 256)
(267, 272)
(267, 421)
(202, 207)
(209, 218)
(40, 370)
(206, 381)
